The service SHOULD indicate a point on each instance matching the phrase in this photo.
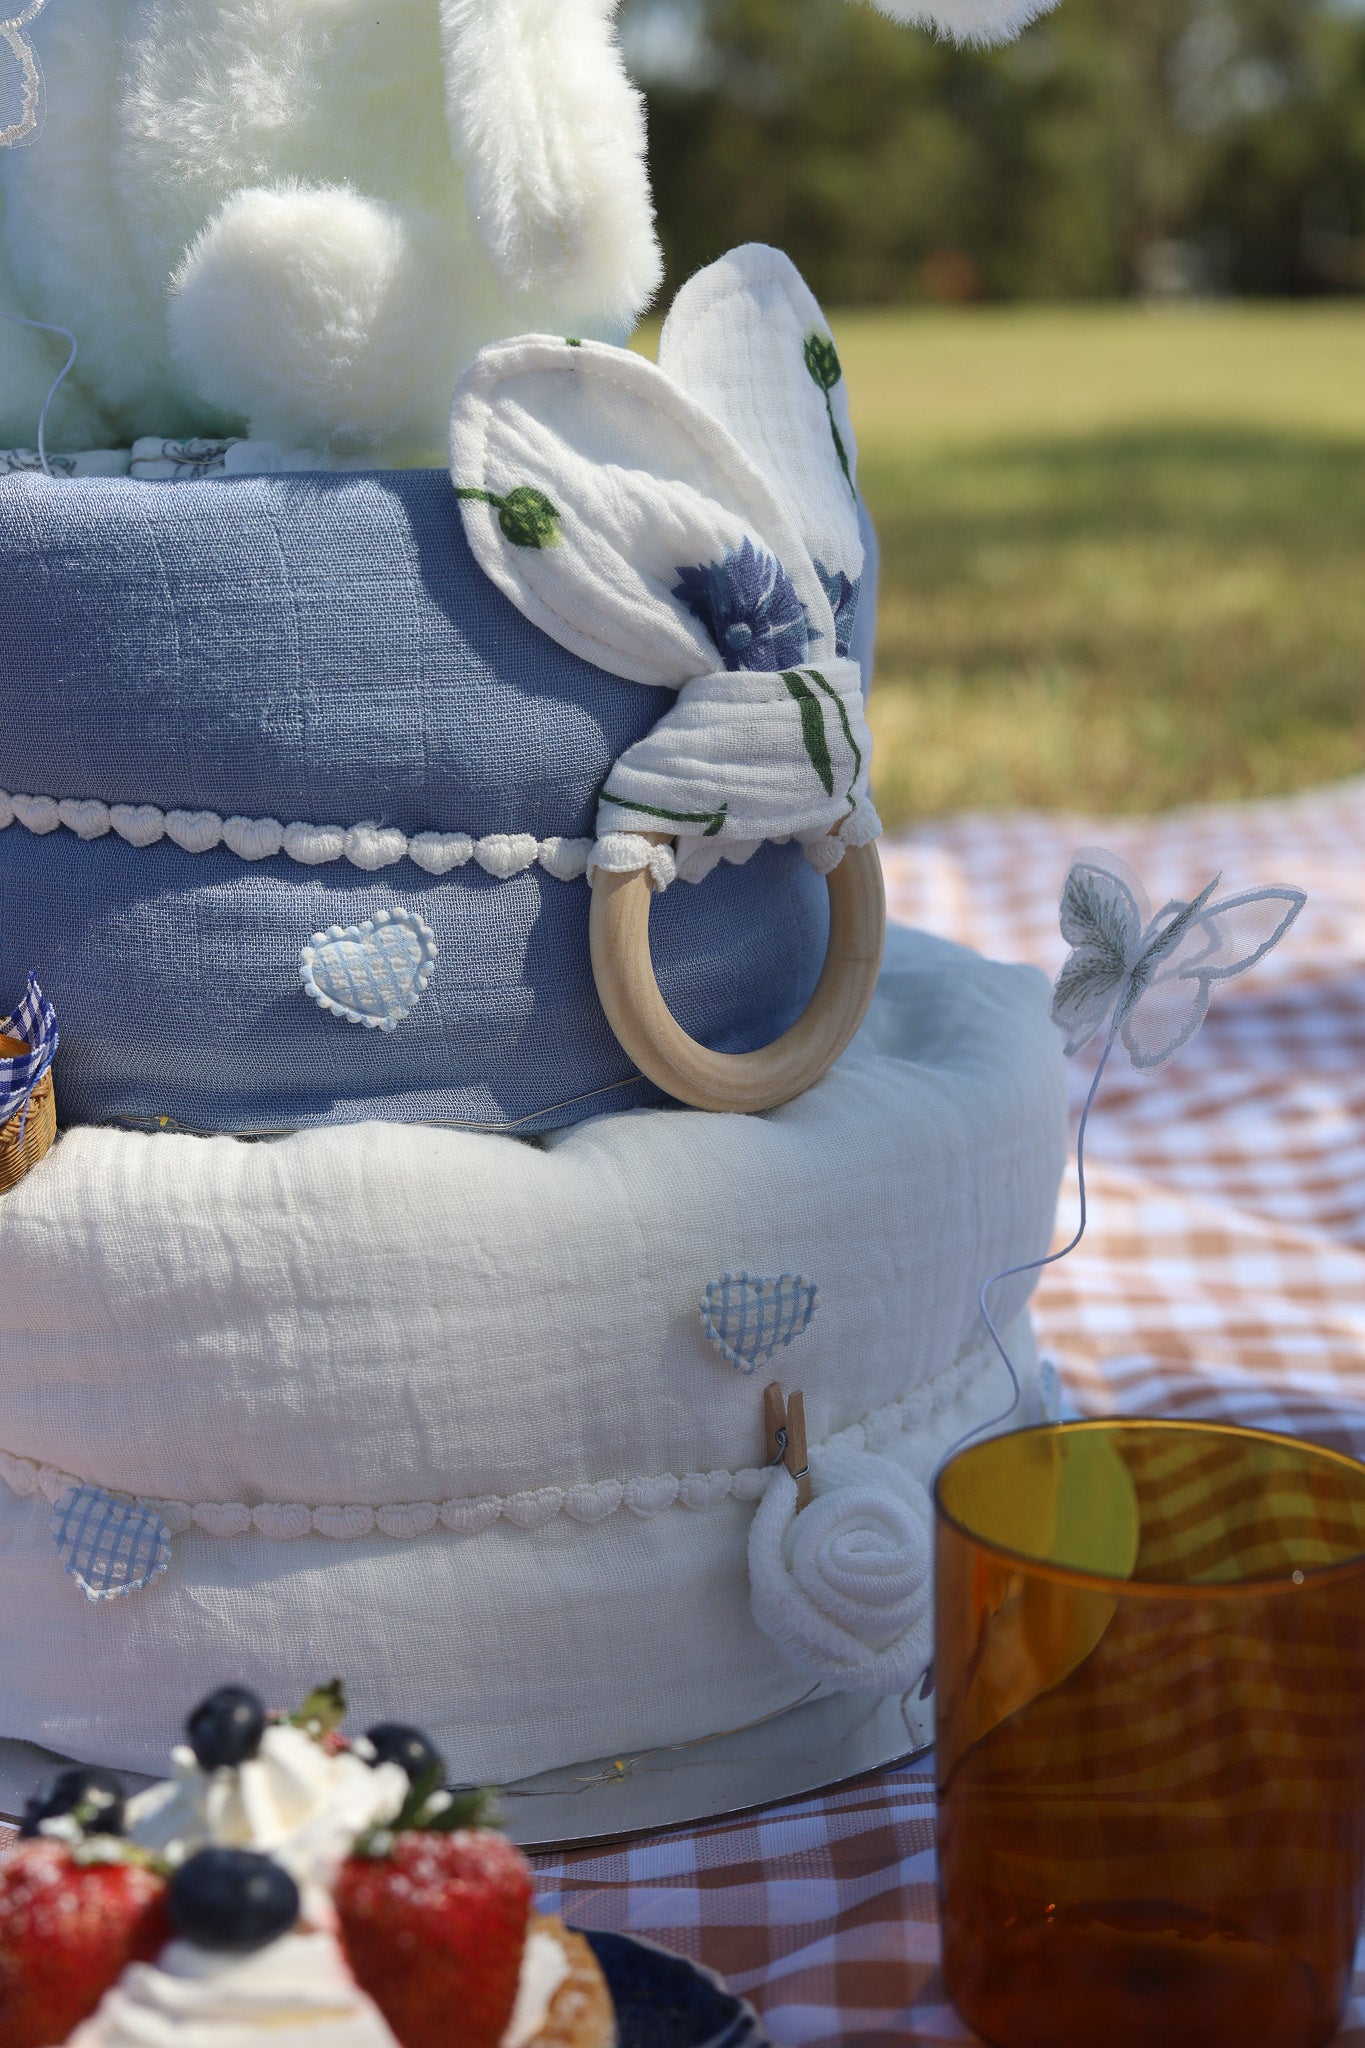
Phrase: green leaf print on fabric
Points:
(842, 710)
(812, 727)
(822, 360)
(712, 821)
(526, 516)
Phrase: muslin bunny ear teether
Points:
(628, 521)
(746, 338)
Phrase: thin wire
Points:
(1034, 1266)
(48, 327)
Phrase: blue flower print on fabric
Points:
(111, 1548)
(843, 602)
(749, 606)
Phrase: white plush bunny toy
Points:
(303, 218)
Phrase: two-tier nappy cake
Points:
(431, 734)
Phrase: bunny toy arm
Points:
(552, 136)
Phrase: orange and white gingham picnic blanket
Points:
(1223, 1275)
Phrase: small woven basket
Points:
(19, 1156)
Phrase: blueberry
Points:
(93, 1798)
(393, 1743)
(226, 1728)
(232, 1900)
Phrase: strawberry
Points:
(67, 1932)
(433, 1920)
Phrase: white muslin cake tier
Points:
(436, 1410)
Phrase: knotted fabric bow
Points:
(693, 526)
(35, 1023)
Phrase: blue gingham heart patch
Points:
(372, 973)
(111, 1548)
(747, 1319)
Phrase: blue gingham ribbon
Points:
(35, 1022)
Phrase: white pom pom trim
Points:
(587, 1502)
(368, 846)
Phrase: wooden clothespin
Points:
(784, 1437)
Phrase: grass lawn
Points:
(1123, 555)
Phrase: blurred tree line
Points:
(1120, 147)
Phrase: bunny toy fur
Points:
(302, 218)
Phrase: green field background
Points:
(1123, 552)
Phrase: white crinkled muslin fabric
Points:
(438, 1410)
(694, 526)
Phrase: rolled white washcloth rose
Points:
(845, 1588)
(299, 1989)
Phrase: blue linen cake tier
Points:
(323, 650)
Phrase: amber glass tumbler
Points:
(1151, 1736)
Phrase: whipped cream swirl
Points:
(297, 1990)
(544, 1969)
(292, 1801)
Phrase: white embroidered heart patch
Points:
(372, 973)
(111, 1548)
(746, 1318)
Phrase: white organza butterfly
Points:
(1149, 978)
(1146, 980)
(21, 78)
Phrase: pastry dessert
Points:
(286, 1885)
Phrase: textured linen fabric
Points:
(324, 649)
(379, 1318)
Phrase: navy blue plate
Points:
(663, 2001)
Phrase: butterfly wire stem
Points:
(1034, 1266)
(48, 327)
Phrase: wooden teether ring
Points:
(746, 1081)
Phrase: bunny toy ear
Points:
(551, 134)
(968, 21)
(746, 339)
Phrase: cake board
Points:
(808, 1748)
